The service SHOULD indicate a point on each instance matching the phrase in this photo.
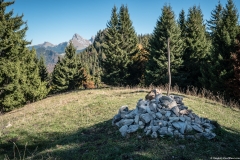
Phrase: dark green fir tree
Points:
(19, 75)
(68, 72)
(197, 47)
(156, 67)
(224, 27)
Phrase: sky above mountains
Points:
(56, 21)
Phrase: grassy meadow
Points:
(77, 125)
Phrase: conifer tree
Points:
(120, 44)
(68, 73)
(182, 23)
(156, 68)
(209, 79)
(128, 44)
(234, 83)
(197, 47)
(224, 27)
(19, 75)
(43, 73)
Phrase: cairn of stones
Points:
(160, 116)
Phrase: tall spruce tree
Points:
(224, 27)
(156, 68)
(209, 78)
(120, 44)
(197, 47)
(182, 23)
(19, 75)
(68, 73)
(234, 83)
(128, 43)
(43, 73)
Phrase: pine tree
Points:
(43, 73)
(19, 75)
(120, 44)
(182, 23)
(156, 69)
(224, 25)
(128, 44)
(234, 83)
(209, 79)
(197, 47)
(68, 73)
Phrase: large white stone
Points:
(146, 117)
(155, 128)
(159, 115)
(162, 123)
(197, 128)
(163, 131)
(175, 110)
(209, 135)
(123, 130)
(154, 135)
(132, 128)
(173, 119)
(168, 113)
(124, 122)
(183, 127)
(136, 119)
(153, 107)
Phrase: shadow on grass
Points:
(103, 141)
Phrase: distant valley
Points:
(51, 52)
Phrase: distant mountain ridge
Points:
(79, 43)
(51, 52)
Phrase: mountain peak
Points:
(47, 44)
(79, 42)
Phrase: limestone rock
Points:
(136, 119)
(159, 115)
(123, 111)
(163, 131)
(116, 119)
(172, 104)
(154, 135)
(153, 107)
(162, 123)
(151, 95)
(124, 122)
(168, 113)
(182, 119)
(132, 128)
(145, 118)
(197, 128)
(123, 130)
(175, 110)
(209, 135)
(155, 128)
(184, 111)
(173, 119)
(183, 128)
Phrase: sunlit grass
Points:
(77, 125)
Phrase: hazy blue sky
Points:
(56, 21)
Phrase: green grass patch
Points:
(77, 125)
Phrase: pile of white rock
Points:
(161, 115)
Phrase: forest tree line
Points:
(204, 55)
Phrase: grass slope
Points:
(77, 125)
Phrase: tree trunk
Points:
(169, 72)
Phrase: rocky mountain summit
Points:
(51, 52)
(79, 43)
(160, 115)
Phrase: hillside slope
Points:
(77, 125)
